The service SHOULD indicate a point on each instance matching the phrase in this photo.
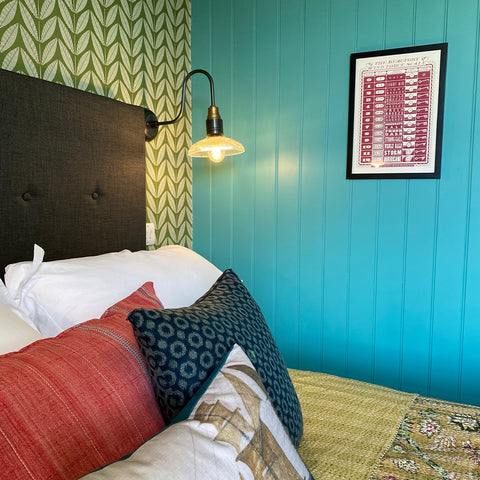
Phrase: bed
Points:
(92, 378)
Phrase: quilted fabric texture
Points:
(183, 346)
(231, 431)
(72, 403)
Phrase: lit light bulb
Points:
(216, 155)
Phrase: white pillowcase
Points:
(59, 294)
(15, 333)
(229, 431)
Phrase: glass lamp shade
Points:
(216, 147)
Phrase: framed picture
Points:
(396, 112)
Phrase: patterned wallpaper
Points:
(134, 51)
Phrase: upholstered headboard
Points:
(72, 171)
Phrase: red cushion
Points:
(72, 403)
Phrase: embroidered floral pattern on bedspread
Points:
(436, 441)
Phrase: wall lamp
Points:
(215, 145)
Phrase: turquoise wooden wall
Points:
(377, 280)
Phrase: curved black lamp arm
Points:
(214, 121)
(184, 93)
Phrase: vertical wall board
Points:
(470, 353)
(313, 180)
(337, 228)
(390, 281)
(362, 286)
(418, 284)
(241, 126)
(450, 267)
(392, 218)
(469, 384)
(202, 169)
(266, 117)
(370, 25)
(292, 21)
(363, 213)
(430, 21)
(422, 224)
(399, 27)
(222, 173)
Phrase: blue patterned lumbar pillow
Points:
(183, 346)
(228, 430)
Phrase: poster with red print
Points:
(396, 113)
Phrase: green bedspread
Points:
(359, 431)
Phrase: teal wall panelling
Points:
(263, 163)
(312, 202)
(370, 279)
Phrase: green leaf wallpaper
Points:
(136, 51)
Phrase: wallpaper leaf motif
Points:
(135, 51)
(8, 12)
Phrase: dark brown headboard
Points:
(72, 171)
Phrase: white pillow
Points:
(63, 293)
(15, 333)
(229, 431)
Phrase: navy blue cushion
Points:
(183, 346)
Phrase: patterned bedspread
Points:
(359, 431)
(436, 440)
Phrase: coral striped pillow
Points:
(72, 403)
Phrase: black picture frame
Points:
(395, 120)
